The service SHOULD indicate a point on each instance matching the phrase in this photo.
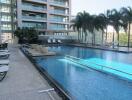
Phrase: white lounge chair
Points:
(59, 41)
(4, 62)
(3, 71)
(54, 41)
(49, 40)
(4, 51)
(4, 55)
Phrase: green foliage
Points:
(26, 34)
(123, 39)
(85, 23)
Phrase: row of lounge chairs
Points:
(39, 50)
(4, 63)
(54, 41)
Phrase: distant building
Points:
(6, 19)
(49, 17)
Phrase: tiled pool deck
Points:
(23, 81)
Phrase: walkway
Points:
(23, 81)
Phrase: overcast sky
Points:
(98, 6)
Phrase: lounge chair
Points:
(4, 51)
(49, 40)
(3, 72)
(59, 41)
(54, 41)
(4, 62)
(4, 55)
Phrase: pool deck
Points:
(23, 81)
(116, 49)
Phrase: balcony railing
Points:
(57, 28)
(59, 20)
(58, 3)
(40, 0)
(58, 12)
(34, 18)
(26, 7)
(34, 26)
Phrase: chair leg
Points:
(2, 75)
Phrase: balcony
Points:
(38, 1)
(60, 12)
(33, 8)
(57, 3)
(35, 25)
(57, 28)
(34, 18)
(56, 20)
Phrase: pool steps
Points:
(99, 67)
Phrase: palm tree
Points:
(77, 24)
(127, 19)
(86, 18)
(100, 23)
(107, 15)
(115, 19)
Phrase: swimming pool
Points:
(83, 82)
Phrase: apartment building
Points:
(6, 20)
(49, 17)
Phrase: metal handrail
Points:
(67, 56)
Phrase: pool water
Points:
(85, 83)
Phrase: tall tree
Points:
(127, 18)
(115, 18)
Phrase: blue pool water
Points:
(85, 83)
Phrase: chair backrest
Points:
(59, 41)
(49, 41)
(54, 41)
(4, 68)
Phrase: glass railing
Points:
(58, 3)
(34, 18)
(40, 0)
(58, 20)
(26, 7)
(34, 26)
(57, 28)
(58, 12)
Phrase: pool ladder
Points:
(48, 92)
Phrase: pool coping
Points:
(58, 88)
(99, 48)
(90, 47)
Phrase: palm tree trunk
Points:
(129, 35)
(78, 36)
(82, 36)
(118, 39)
(113, 39)
(102, 37)
(94, 38)
(106, 34)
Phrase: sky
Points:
(98, 6)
